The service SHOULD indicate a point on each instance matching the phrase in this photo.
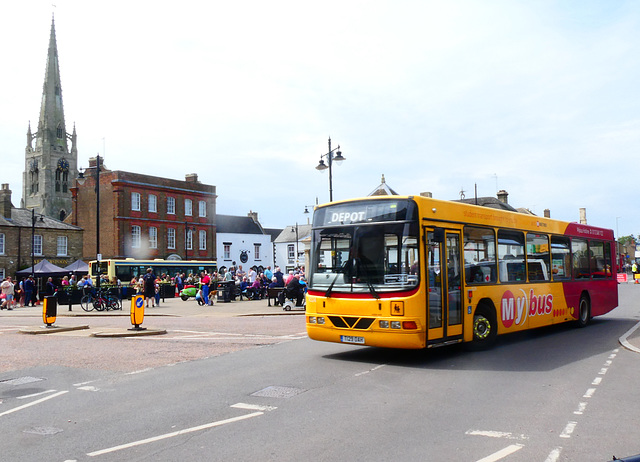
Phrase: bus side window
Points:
(479, 255)
(511, 256)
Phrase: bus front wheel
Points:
(584, 312)
(485, 329)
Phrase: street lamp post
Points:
(330, 159)
(33, 241)
(297, 240)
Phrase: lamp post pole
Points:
(297, 241)
(33, 241)
(330, 158)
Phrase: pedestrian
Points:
(279, 277)
(178, 281)
(149, 287)
(22, 292)
(157, 287)
(50, 288)
(7, 291)
(29, 289)
(204, 281)
(252, 275)
(295, 290)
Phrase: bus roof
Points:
(462, 213)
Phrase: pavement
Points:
(169, 307)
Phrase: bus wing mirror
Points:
(438, 235)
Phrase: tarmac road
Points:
(192, 332)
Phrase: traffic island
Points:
(50, 329)
(128, 333)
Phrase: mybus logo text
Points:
(516, 309)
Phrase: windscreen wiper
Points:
(328, 292)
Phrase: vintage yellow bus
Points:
(416, 272)
(128, 268)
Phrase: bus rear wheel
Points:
(584, 312)
(485, 329)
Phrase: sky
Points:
(537, 98)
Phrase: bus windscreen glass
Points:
(365, 247)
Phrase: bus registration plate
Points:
(351, 339)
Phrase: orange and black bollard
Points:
(49, 310)
(137, 312)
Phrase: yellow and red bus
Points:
(416, 272)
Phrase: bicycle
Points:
(100, 301)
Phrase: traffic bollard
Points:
(49, 310)
(137, 312)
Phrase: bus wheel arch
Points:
(584, 310)
(485, 325)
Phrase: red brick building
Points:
(143, 216)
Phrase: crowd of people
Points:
(21, 293)
(251, 284)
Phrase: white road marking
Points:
(139, 371)
(370, 370)
(603, 371)
(253, 407)
(568, 430)
(33, 403)
(581, 408)
(596, 381)
(89, 388)
(589, 393)
(172, 434)
(502, 453)
(83, 383)
(553, 455)
(35, 394)
(494, 434)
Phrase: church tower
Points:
(51, 167)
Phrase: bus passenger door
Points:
(444, 302)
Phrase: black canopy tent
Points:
(78, 267)
(43, 268)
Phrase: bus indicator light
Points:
(409, 325)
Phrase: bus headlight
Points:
(384, 324)
(396, 325)
(312, 319)
(320, 320)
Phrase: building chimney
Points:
(547, 213)
(191, 178)
(5, 201)
(426, 194)
(253, 216)
(583, 216)
(93, 161)
(503, 196)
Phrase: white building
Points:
(289, 247)
(242, 241)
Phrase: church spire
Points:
(51, 126)
(50, 167)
